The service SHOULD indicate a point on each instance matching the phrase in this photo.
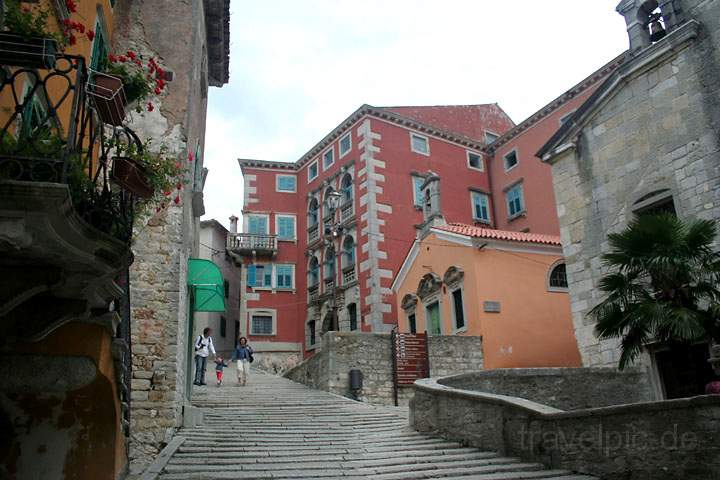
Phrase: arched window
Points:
(558, 277)
(347, 188)
(330, 264)
(348, 252)
(313, 271)
(313, 212)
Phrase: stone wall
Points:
(658, 129)
(659, 440)
(329, 368)
(564, 388)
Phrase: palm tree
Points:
(662, 284)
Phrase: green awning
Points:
(207, 282)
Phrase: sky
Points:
(300, 67)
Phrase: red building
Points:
(311, 268)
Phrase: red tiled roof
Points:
(480, 232)
(468, 120)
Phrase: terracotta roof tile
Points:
(480, 232)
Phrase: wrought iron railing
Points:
(50, 133)
(313, 291)
(313, 233)
(247, 242)
(348, 274)
(347, 211)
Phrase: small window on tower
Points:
(475, 161)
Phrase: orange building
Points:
(509, 288)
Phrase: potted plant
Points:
(125, 79)
(26, 41)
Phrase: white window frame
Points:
(340, 150)
(451, 300)
(565, 117)
(427, 142)
(496, 135)
(522, 200)
(472, 207)
(265, 312)
(292, 274)
(517, 159)
(277, 183)
(278, 216)
(331, 151)
(317, 170)
(481, 168)
(272, 276)
(246, 221)
(417, 202)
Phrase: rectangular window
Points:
(352, 312)
(312, 171)
(475, 161)
(285, 227)
(223, 327)
(417, 191)
(510, 160)
(345, 144)
(412, 324)
(480, 206)
(261, 325)
(515, 202)
(458, 310)
(328, 158)
(419, 144)
(259, 276)
(285, 183)
(432, 319)
(311, 332)
(490, 137)
(257, 224)
(284, 277)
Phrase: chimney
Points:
(233, 224)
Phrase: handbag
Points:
(251, 359)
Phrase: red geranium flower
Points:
(150, 107)
(131, 54)
(191, 156)
(179, 186)
(71, 6)
(177, 200)
(72, 40)
(112, 58)
(91, 35)
(67, 22)
(122, 58)
(158, 90)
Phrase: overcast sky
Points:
(298, 68)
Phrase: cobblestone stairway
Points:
(277, 429)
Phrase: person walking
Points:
(243, 355)
(203, 347)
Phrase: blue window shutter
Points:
(251, 276)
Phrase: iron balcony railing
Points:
(252, 243)
(49, 132)
(347, 211)
(348, 274)
(313, 291)
(313, 233)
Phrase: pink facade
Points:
(389, 153)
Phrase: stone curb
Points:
(157, 466)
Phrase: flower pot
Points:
(32, 52)
(131, 176)
(109, 98)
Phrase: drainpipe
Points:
(492, 193)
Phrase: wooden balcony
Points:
(252, 244)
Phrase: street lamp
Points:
(335, 229)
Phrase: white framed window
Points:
(566, 117)
(475, 161)
(490, 137)
(345, 144)
(480, 207)
(284, 276)
(313, 171)
(262, 321)
(328, 158)
(515, 201)
(458, 310)
(256, 224)
(419, 144)
(285, 183)
(259, 275)
(510, 160)
(417, 190)
(285, 227)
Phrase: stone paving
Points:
(274, 428)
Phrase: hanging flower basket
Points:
(131, 176)
(30, 52)
(108, 96)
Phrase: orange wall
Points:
(534, 326)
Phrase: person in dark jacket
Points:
(243, 357)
